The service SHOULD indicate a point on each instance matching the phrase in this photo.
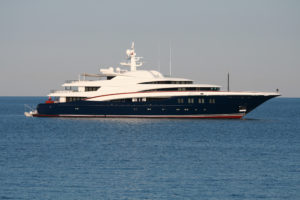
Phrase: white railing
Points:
(74, 81)
(63, 91)
(71, 81)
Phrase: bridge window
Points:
(88, 89)
(72, 88)
(110, 77)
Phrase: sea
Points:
(132, 159)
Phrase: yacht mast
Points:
(131, 55)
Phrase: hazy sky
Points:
(44, 43)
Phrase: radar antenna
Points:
(133, 60)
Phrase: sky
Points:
(44, 43)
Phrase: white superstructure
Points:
(113, 84)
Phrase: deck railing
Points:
(74, 81)
(63, 91)
(71, 81)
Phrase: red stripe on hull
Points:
(42, 115)
(145, 116)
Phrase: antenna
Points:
(131, 55)
(159, 56)
(228, 88)
(170, 64)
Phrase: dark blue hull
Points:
(198, 107)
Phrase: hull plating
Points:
(234, 107)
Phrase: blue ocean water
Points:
(53, 158)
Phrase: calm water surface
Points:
(52, 158)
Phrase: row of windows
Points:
(139, 99)
(75, 88)
(179, 100)
(200, 100)
(71, 88)
(144, 99)
(177, 109)
(69, 99)
(87, 89)
(168, 82)
(185, 89)
(163, 109)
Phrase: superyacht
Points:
(133, 93)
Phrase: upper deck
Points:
(115, 83)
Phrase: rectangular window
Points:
(88, 89)
(69, 99)
(190, 100)
(212, 101)
(180, 100)
(72, 88)
(201, 100)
